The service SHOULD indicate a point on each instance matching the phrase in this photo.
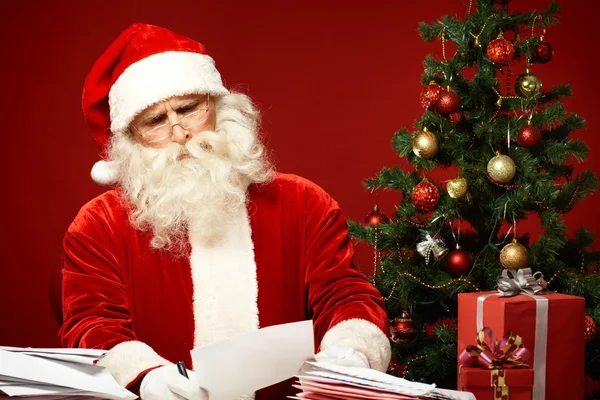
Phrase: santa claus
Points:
(199, 239)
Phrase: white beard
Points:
(202, 184)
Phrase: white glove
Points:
(343, 356)
(165, 383)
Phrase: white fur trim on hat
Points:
(104, 173)
(364, 336)
(158, 77)
(127, 360)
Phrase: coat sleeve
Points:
(95, 303)
(346, 308)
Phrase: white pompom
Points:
(104, 173)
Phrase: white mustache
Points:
(206, 147)
(207, 142)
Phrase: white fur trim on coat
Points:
(364, 336)
(127, 360)
(225, 285)
(225, 296)
(158, 77)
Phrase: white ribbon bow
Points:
(522, 281)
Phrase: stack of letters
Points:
(57, 374)
(325, 381)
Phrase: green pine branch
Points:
(545, 184)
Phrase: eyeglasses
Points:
(191, 120)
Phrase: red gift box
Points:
(552, 329)
(517, 383)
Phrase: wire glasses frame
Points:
(191, 120)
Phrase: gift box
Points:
(551, 327)
(485, 384)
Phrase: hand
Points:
(343, 356)
(165, 383)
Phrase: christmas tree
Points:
(508, 142)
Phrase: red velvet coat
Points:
(295, 264)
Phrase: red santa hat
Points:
(144, 65)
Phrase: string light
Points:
(560, 271)
(500, 97)
(535, 17)
(400, 257)
(412, 360)
(436, 287)
(499, 102)
(555, 275)
(575, 193)
(501, 185)
(476, 37)
(508, 78)
(444, 45)
(539, 203)
(415, 224)
(376, 253)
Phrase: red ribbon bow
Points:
(509, 352)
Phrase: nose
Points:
(179, 135)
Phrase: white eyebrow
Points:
(154, 113)
(187, 103)
(151, 116)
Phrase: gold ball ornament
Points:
(501, 168)
(528, 85)
(425, 144)
(514, 256)
(457, 188)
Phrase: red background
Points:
(334, 79)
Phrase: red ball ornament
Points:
(425, 196)
(590, 329)
(402, 328)
(501, 51)
(448, 102)
(529, 136)
(429, 95)
(376, 217)
(543, 52)
(458, 261)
